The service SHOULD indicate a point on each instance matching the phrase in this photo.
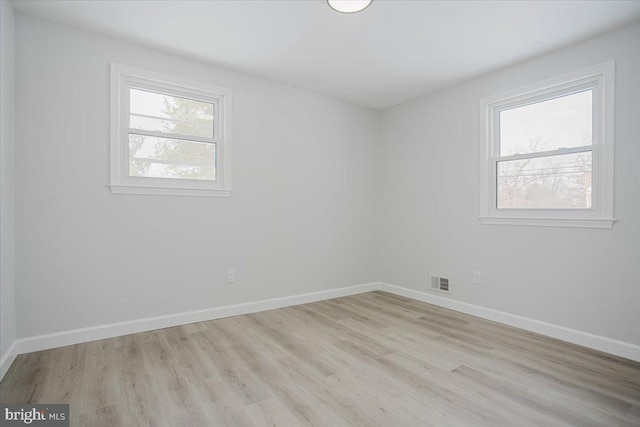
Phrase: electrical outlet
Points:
(477, 277)
(231, 276)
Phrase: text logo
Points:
(36, 415)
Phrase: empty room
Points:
(319, 213)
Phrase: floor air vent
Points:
(439, 284)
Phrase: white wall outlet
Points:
(477, 277)
(231, 276)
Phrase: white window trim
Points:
(120, 182)
(601, 78)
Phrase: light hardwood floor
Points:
(364, 360)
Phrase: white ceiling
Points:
(393, 51)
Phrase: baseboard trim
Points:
(7, 358)
(78, 336)
(585, 339)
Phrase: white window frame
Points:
(600, 79)
(122, 79)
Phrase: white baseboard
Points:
(585, 339)
(77, 336)
(7, 358)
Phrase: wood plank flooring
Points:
(372, 359)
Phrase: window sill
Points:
(550, 222)
(166, 191)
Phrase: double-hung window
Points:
(547, 156)
(168, 135)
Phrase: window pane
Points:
(171, 158)
(562, 181)
(547, 125)
(164, 113)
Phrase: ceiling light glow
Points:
(349, 6)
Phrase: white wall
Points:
(7, 175)
(585, 279)
(319, 201)
(299, 220)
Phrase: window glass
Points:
(563, 122)
(156, 157)
(552, 182)
(171, 114)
